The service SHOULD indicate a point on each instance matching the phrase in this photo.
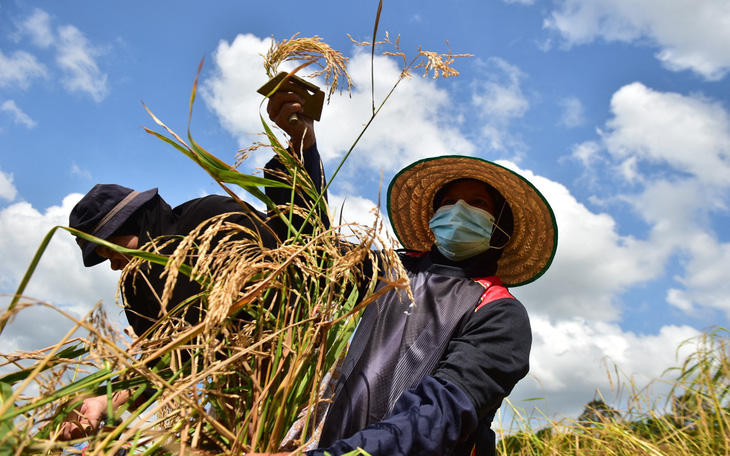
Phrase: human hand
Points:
(281, 106)
(85, 420)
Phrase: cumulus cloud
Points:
(231, 91)
(572, 359)
(671, 153)
(587, 153)
(7, 189)
(688, 133)
(18, 115)
(75, 55)
(355, 213)
(706, 278)
(500, 95)
(689, 35)
(416, 122)
(60, 277)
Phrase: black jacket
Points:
(157, 219)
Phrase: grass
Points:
(693, 418)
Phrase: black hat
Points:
(101, 212)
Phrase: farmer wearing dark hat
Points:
(131, 219)
(427, 376)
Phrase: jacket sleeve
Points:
(282, 196)
(489, 355)
(431, 418)
(481, 365)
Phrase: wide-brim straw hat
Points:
(533, 242)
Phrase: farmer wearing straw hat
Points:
(427, 376)
(130, 219)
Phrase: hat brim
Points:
(88, 249)
(533, 243)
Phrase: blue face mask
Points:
(461, 231)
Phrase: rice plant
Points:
(693, 418)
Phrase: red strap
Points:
(494, 290)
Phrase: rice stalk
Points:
(691, 419)
(310, 50)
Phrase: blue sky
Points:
(617, 111)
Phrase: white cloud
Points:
(231, 91)
(673, 153)
(352, 209)
(498, 99)
(500, 95)
(689, 133)
(19, 116)
(690, 35)
(356, 213)
(587, 153)
(75, 55)
(706, 282)
(19, 69)
(38, 27)
(7, 189)
(60, 277)
(415, 122)
(572, 358)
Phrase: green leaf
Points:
(7, 440)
